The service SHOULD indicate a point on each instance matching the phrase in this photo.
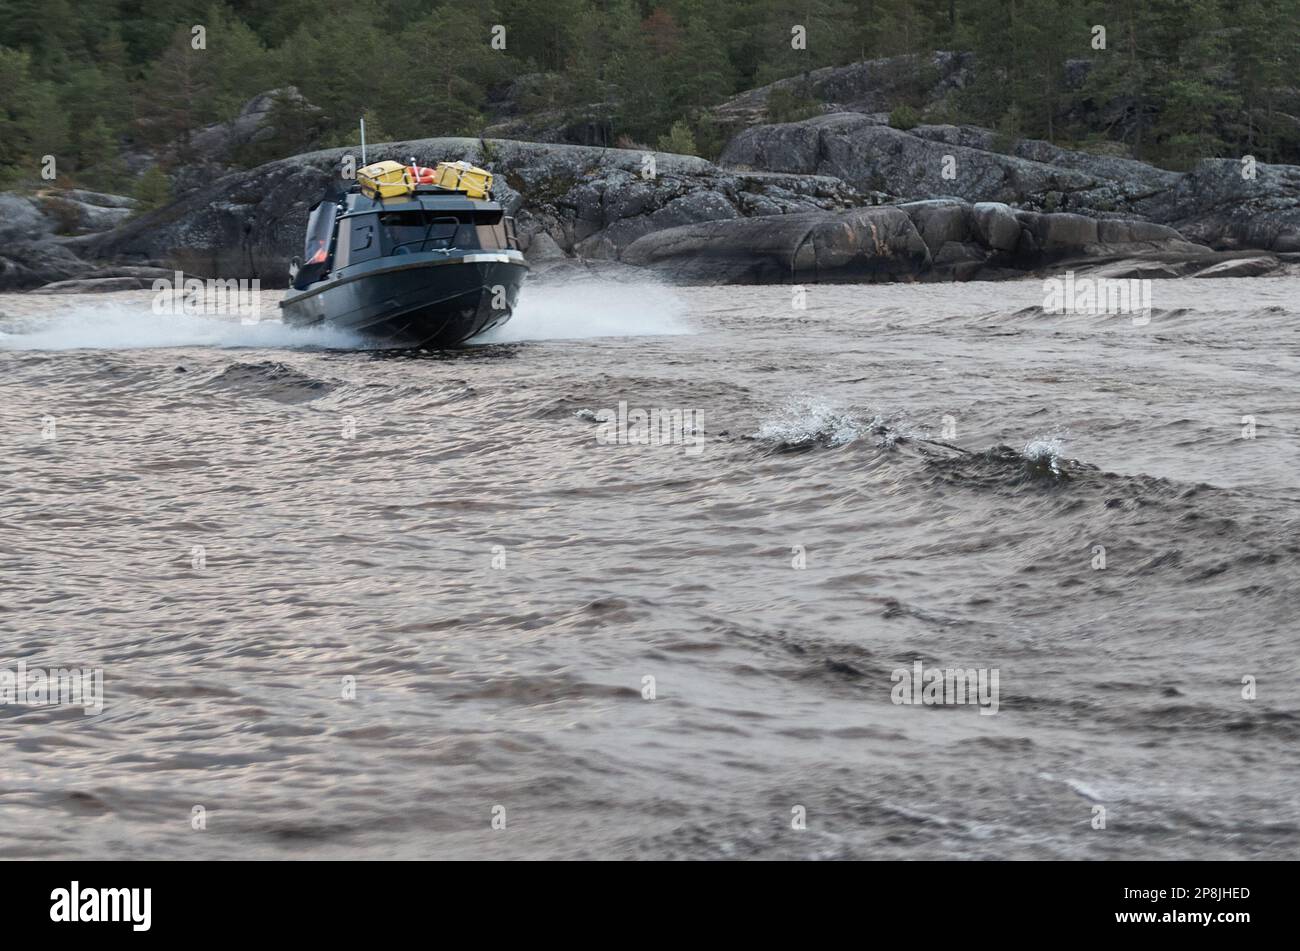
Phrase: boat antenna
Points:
(363, 141)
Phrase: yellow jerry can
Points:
(463, 177)
(384, 180)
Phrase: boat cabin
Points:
(360, 228)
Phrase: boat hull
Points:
(416, 300)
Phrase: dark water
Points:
(967, 543)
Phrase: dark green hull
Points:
(414, 300)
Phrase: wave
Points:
(808, 422)
(272, 380)
(1043, 455)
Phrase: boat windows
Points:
(409, 232)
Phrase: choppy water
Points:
(967, 542)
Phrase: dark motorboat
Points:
(409, 264)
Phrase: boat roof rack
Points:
(425, 190)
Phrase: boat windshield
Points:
(316, 249)
(408, 232)
(320, 226)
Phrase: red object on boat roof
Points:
(421, 175)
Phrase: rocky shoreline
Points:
(840, 197)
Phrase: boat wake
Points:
(545, 313)
(588, 310)
(117, 326)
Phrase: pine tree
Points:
(153, 189)
(449, 63)
(1264, 35)
(632, 72)
(238, 65)
(701, 74)
(99, 158)
(176, 97)
(542, 35)
(15, 84)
